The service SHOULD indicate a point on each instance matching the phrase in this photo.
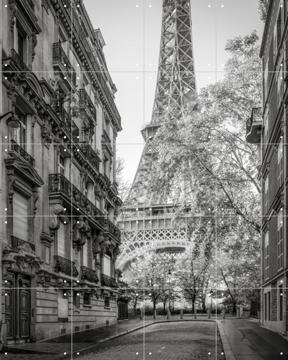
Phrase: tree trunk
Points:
(164, 307)
(234, 308)
(135, 307)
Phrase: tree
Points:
(205, 164)
(148, 276)
(239, 264)
(123, 186)
(192, 273)
(210, 144)
(263, 9)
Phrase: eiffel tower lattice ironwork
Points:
(148, 219)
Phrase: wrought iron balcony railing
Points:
(17, 151)
(108, 281)
(91, 155)
(67, 120)
(86, 104)
(61, 62)
(254, 126)
(18, 61)
(65, 266)
(59, 184)
(19, 243)
(89, 274)
(111, 228)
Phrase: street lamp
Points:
(169, 289)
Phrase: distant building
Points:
(271, 136)
(58, 195)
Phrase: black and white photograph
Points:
(144, 179)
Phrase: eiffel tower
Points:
(148, 219)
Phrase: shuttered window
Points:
(20, 216)
(61, 240)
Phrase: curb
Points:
(90, 348)
(229, 355)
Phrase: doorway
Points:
(18, 308)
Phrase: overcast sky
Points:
(131, 30)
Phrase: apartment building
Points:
(58, 194)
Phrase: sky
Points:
(132, 30)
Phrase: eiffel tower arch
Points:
(148, 220)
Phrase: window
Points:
(266, 124)
(265, 307)
(280, 162)
(85, 254)
(86, 299)
(280, 240)
(20, 216)
(62, 304)
(280, 302)
(269, 305)
(266, 71)
(266, 255)
(21, 43)
(19, 134)
(47, 254)
(76, 299)
(266, 193)
(280, 82)
(61, 165)
(107, 302)
(107, 166)
(107, 265)
(61, 240)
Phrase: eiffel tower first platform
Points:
(148, 219)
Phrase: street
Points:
(169, 341)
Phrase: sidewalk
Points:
(61, 347)
(247, 340)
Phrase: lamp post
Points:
(169, 290)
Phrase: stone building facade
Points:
(58, 195)
(271, 136)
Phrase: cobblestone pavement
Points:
(167, 341)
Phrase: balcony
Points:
(63, 65)
(66, 120)
(254, 126)
(106, 141)
(18, 61)
(108, 281)
(65, 266)
(111, 228)
(86, 105)
(90, 155)
(89, 274)
(58, 184)
(18, 244)
(18, 152)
